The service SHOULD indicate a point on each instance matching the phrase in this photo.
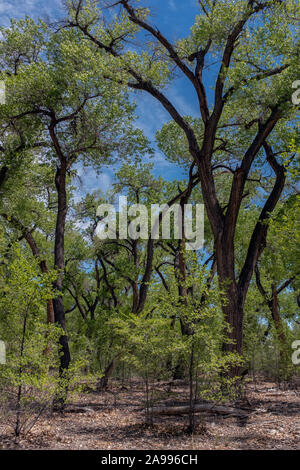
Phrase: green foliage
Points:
(69, 105)
(28, 379)
(154, 345)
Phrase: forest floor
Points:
(115, 420)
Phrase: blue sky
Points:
(174, 18)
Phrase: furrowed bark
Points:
(3, 174)
(237, 291)
(59, 262)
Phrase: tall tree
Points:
(255, 45)
(81, 117)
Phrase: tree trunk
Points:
(283, 350)
(103, 382)
(233, 309)
(3, 174)
(274, 307)
(273, 304)
(233, 302)
(234, 316)
(58, 304)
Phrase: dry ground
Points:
(115, 420)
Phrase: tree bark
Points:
(236, 292)
(58, 304)
(103, 382)
(3, 174)
(273, 304)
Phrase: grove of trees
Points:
(77, 311)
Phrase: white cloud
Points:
(172, 5)
(104, 182)
(151, 115)
(89, 181)
(160, 162)
(34, 8)
(184, 105)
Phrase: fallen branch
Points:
(80, 409)
(222, 410)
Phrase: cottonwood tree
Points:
(79, 114)
(252, 45)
